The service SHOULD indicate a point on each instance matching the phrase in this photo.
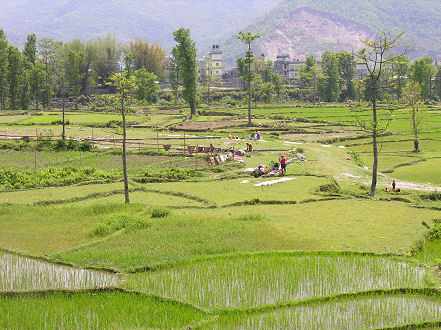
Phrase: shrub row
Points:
(11, 179)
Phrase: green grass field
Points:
(210, 246)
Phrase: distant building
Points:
(231, 79)
(286, 67)
(212, 63)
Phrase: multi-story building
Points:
(286, 67)
(212, 63)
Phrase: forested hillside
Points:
(304, 27)
(151, 20)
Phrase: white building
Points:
(212, 63)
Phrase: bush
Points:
(435, 232)
(432, 196)
(173, 174)
(159, 212)
(331, 188)
(356, 158)
(60, 122)
(113, 124)
(117, 222)
(13, 179)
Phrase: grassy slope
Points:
(365, 226)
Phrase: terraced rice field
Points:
(225, 253)
(256, 280)
(94, 310)
(377, 311)
(25, 274)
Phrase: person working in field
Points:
(283, 164)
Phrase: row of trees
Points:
(46, 68)
(334, 79)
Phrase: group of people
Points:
(276, 168)
(394, 188)
(256, 136)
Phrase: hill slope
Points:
(153, 20)
(304, 27)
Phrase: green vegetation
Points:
(258, 280)
(376, 311)
(202, 246)
(53, 176)
(25, 274)
(95, 309)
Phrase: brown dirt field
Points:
(204, 126)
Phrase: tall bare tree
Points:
(124, 86)
(378, 58)
(412, 96)
(248, 38)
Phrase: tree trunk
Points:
(124, 157)
(415, 133)
(177, 87)
(250, 124)
(193, 104)
(64, 122)
(374, 145)
(208, 92)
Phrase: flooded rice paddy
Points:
(270, 279)
(19, 273)
(380, 311)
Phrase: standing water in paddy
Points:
(24, 274)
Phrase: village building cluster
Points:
(212, 66)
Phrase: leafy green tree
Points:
(84, 53)
(90, 77)
(278, 83)
(36, 83)
(174, 75)
(346, 68)
(437, 83)
(3, 69)
(14, 76)
(412, 96)
(307, 80)
(400, 69)
(49, 52)
(30, 49)
(25, 95)
(185, 52)
(248, 38)
(147, 86)
(74, 71)
(329, 80)
(148, 56)
(422, 71)
(378, 58)
(108, 56)
(124, 86)
(242, 69)
(129, 64)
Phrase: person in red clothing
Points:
(283, 163)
